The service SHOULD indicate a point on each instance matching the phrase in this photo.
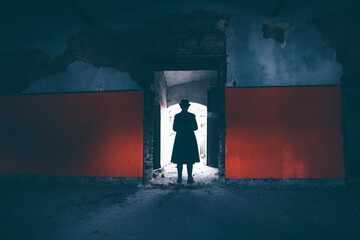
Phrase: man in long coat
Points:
(185, 150)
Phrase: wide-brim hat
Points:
(184, 103)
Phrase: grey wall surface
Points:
(255, 61)
(81, 77)
(252, 60)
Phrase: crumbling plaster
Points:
(82, 77)
(252, 59)
(341, 31)
(321, 49)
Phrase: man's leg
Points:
(189, 170)
(179, 169)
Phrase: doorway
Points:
(171, 87)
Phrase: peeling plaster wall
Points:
(340, 30)
(252, 60)
(81, 77)
(300, 59)
(160, 88)
(256, 61)
(304, 61)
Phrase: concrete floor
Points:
(200, 211)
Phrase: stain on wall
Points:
(284, 132)
(84, 134)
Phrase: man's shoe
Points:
(190, 180)
(179, 180)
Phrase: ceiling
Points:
(100, 10)
(181, 77)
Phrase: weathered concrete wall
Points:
(84, 134)
(340, 30)
(309, 45)
(302, 59)
(255, 61)
(81, 77)
(159, 87)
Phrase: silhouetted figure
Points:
(185, 149)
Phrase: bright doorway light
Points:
(168, 135)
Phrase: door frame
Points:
(183, 63)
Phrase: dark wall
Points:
(86, 134)
(340, 30)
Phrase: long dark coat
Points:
(185, 150)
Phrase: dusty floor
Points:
(202, 174)
(212, 211)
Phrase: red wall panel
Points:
(284, 132)
(84, 134)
